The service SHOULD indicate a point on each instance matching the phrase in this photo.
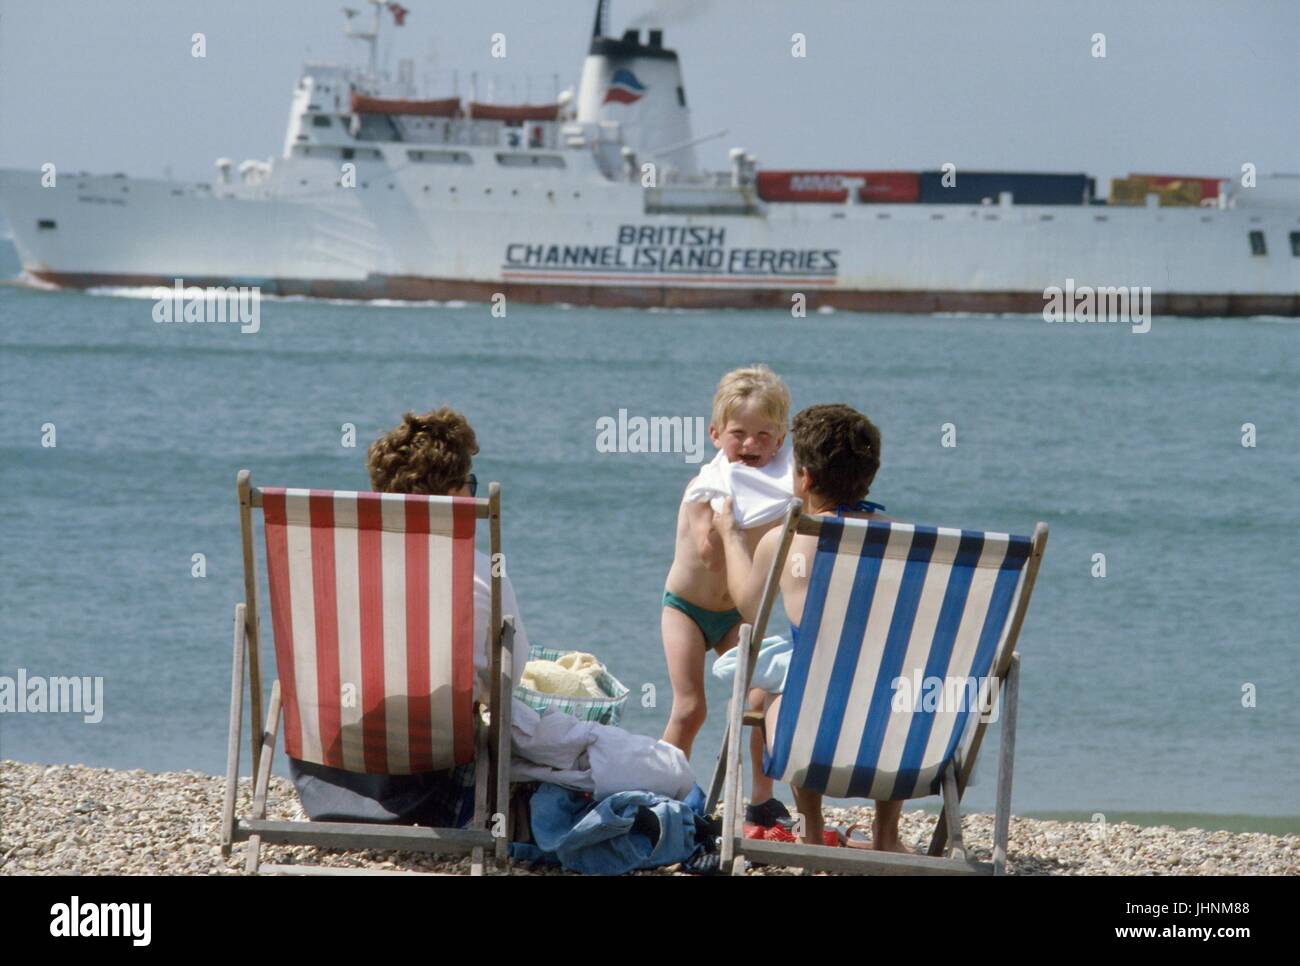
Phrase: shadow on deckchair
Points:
(372, 603)
(889, 604)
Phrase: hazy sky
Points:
(1186, 87)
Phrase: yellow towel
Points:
(572, 676)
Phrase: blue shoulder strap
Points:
(862, 506)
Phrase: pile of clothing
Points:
(608, 801)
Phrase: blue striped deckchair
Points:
(907, 638)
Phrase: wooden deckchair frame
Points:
(488, 832)
(947, 853)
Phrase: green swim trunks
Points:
(713, 624)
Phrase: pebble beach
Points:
(75, 820)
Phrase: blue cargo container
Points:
(973, 187)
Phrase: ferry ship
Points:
(598, 199)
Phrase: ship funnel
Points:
(639, 85)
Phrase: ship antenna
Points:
(599, 29)
(369, 37)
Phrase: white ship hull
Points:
(419, 239)
(406, 199)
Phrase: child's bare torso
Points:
(692, 577)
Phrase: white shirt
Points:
(483, 623)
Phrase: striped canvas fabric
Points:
(891, 606)
(372, 604)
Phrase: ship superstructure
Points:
(597, 198)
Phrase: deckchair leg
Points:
(264, 776)
(502, 751)
(481, 818)
(733, 808)
(1006, 759)
(719, 771)
(236, 724)
(952, 813)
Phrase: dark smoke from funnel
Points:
(671, 13)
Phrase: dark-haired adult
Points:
(836, 456)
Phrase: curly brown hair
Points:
(429, 454)
(840, 449)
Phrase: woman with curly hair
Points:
(430, 454)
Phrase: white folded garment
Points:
(602, 759)
(759, 494)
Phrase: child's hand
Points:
(725, 522)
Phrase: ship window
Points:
(440, 157)
(1295, 244)
(1101, 217)
(936, 217)
(1257, 243)
(883, 216)
(320, 120)
(46, 224)
(361, 154)
(1046, 217)
(530, 160)
(681, 96)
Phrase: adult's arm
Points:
(746, 574)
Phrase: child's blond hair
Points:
(758, 384)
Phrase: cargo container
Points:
(1209, 186)
(1172, 193)
(826, 187)
(981, 187)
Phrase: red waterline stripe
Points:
(676, 280)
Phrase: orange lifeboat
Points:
(444, 107)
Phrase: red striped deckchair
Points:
(372, 606)
(889, 604)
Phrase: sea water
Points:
(1170, 684)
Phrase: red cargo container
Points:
(825, 187)
(1209, 186)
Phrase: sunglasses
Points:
(472, 482)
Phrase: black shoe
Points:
(703, 863)
(708, 830)
(771, 812)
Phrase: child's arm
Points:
(745, 575)
(705, 539)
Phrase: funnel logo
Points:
(624, 88)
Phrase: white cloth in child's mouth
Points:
(759, 494)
